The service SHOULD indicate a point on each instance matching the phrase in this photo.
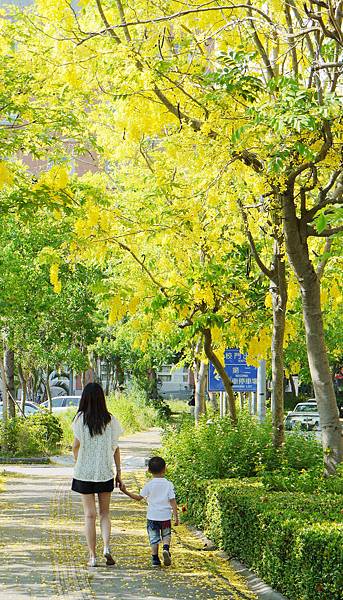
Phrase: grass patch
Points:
(178, 406)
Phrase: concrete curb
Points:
(24, 461)
(254, 583)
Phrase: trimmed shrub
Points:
(294, 541)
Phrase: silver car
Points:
(30, 409)
(305, 415)
(61, 404)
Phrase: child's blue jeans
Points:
(158, 531)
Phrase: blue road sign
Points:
(243, 377)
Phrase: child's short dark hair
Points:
(156, 465)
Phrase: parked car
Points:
(30, 409)
(61, 404)
(304, 414)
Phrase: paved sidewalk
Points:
(43, 553)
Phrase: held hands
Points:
(176, 520)
(119, 482)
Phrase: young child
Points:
(160, 496)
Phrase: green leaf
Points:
(321, 222)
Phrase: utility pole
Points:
(222, 404)
(254, 403)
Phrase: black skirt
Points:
(92, 487)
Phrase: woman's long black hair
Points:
(93, 407)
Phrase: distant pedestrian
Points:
(160, 496)
(95, 445)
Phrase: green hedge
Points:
(294, 541)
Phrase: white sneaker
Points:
(92, 562)
(109, 558)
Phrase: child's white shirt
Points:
(158, 492)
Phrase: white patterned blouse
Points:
(95, 457)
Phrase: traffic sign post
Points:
(243, 376)
(261, 391)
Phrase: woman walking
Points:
(95, 444)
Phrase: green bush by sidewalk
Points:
(294, 541)
(37, 435)
(218, 450)
(44, 434)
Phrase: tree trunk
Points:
(298, 252)
(108, 377)
(214, 401)
(321, 377)
(221, 371)
(120, 375)
(83, 379)
(279, 303)
(71, 382)
(152, 376)
(48, 390)
(278, 288)
(4, 391)
(23, 383)
(200, 404)
(241, 400)
(292, 384)
(9, 370)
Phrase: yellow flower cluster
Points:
(54, 278)
(56, 178)
(6, 176)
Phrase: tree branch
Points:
(327, 144)
(174, 110)
(123, 21)
(179, 14)
(331, 65)
(326, 233)
(260, 46)
(142, 265)
(268, 272)
(326, 256)
(324, 199)
(293, 47)
(106, 23)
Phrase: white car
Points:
(30, 409)
(304, 414)
(61, 404)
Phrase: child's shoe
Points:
(155, 561)
(166, 556)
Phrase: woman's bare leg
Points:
(105, 524)
(105, 521)
(89, 509)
